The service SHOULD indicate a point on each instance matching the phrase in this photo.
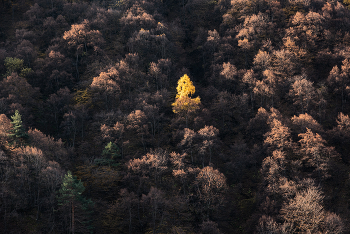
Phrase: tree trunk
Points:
(38, 203)
(251, 99)
(75, 131)
(76, 66)
(209, 155)
(72, 217)
(13, 11)
(342, 98)
(272, 100)
(143, 143)
(130, 219)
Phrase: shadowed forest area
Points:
(164, 116)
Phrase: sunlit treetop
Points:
(183, 102)
(185, 87)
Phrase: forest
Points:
(165, 116)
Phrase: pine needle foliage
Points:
(17, 133)
(110, 153)
(70, 195)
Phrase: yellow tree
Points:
(184, 104)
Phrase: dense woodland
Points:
(163, 116)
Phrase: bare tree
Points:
(279, 136)
(210, 187)
(305, 211)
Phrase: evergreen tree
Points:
(15, 65)
(70, 197)
(111, 150)
(17, 133)
(109, 154)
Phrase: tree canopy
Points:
(188, 116)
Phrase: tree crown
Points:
(185, 87)
(183, 102)
(17, 132)
(71, 189)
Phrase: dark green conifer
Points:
(70, 197)
(16, 65)
(109, 155)
(111, 151)
(17, 133)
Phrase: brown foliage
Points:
(285, 64)
(339, 79)
(279, 136)
(152, 164)
(123, 213)
(5, 126)
(52, 149)
(211, 185)
(80, 37)
(267, 225)
(257, 125)
(262, 60)
(333, 224)
(106, 87)
(136, 18)
(253, 26)
(200, 143)
(302, 92)
(156, 208)
(304, 121)
(307, 28)
(315, 153)
(305, 211)
(17, 90)
(229, 71)
(137, 123)
(58, 105)
(274, 170)
(209, 227)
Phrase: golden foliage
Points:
(82, 96)
(183, 102)
(185, 87)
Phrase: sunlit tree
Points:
(305, 212)
(17, 133)
(315, 153)
(279, 136)
(184, 104)
(303, 92)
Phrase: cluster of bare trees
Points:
(175, 116)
